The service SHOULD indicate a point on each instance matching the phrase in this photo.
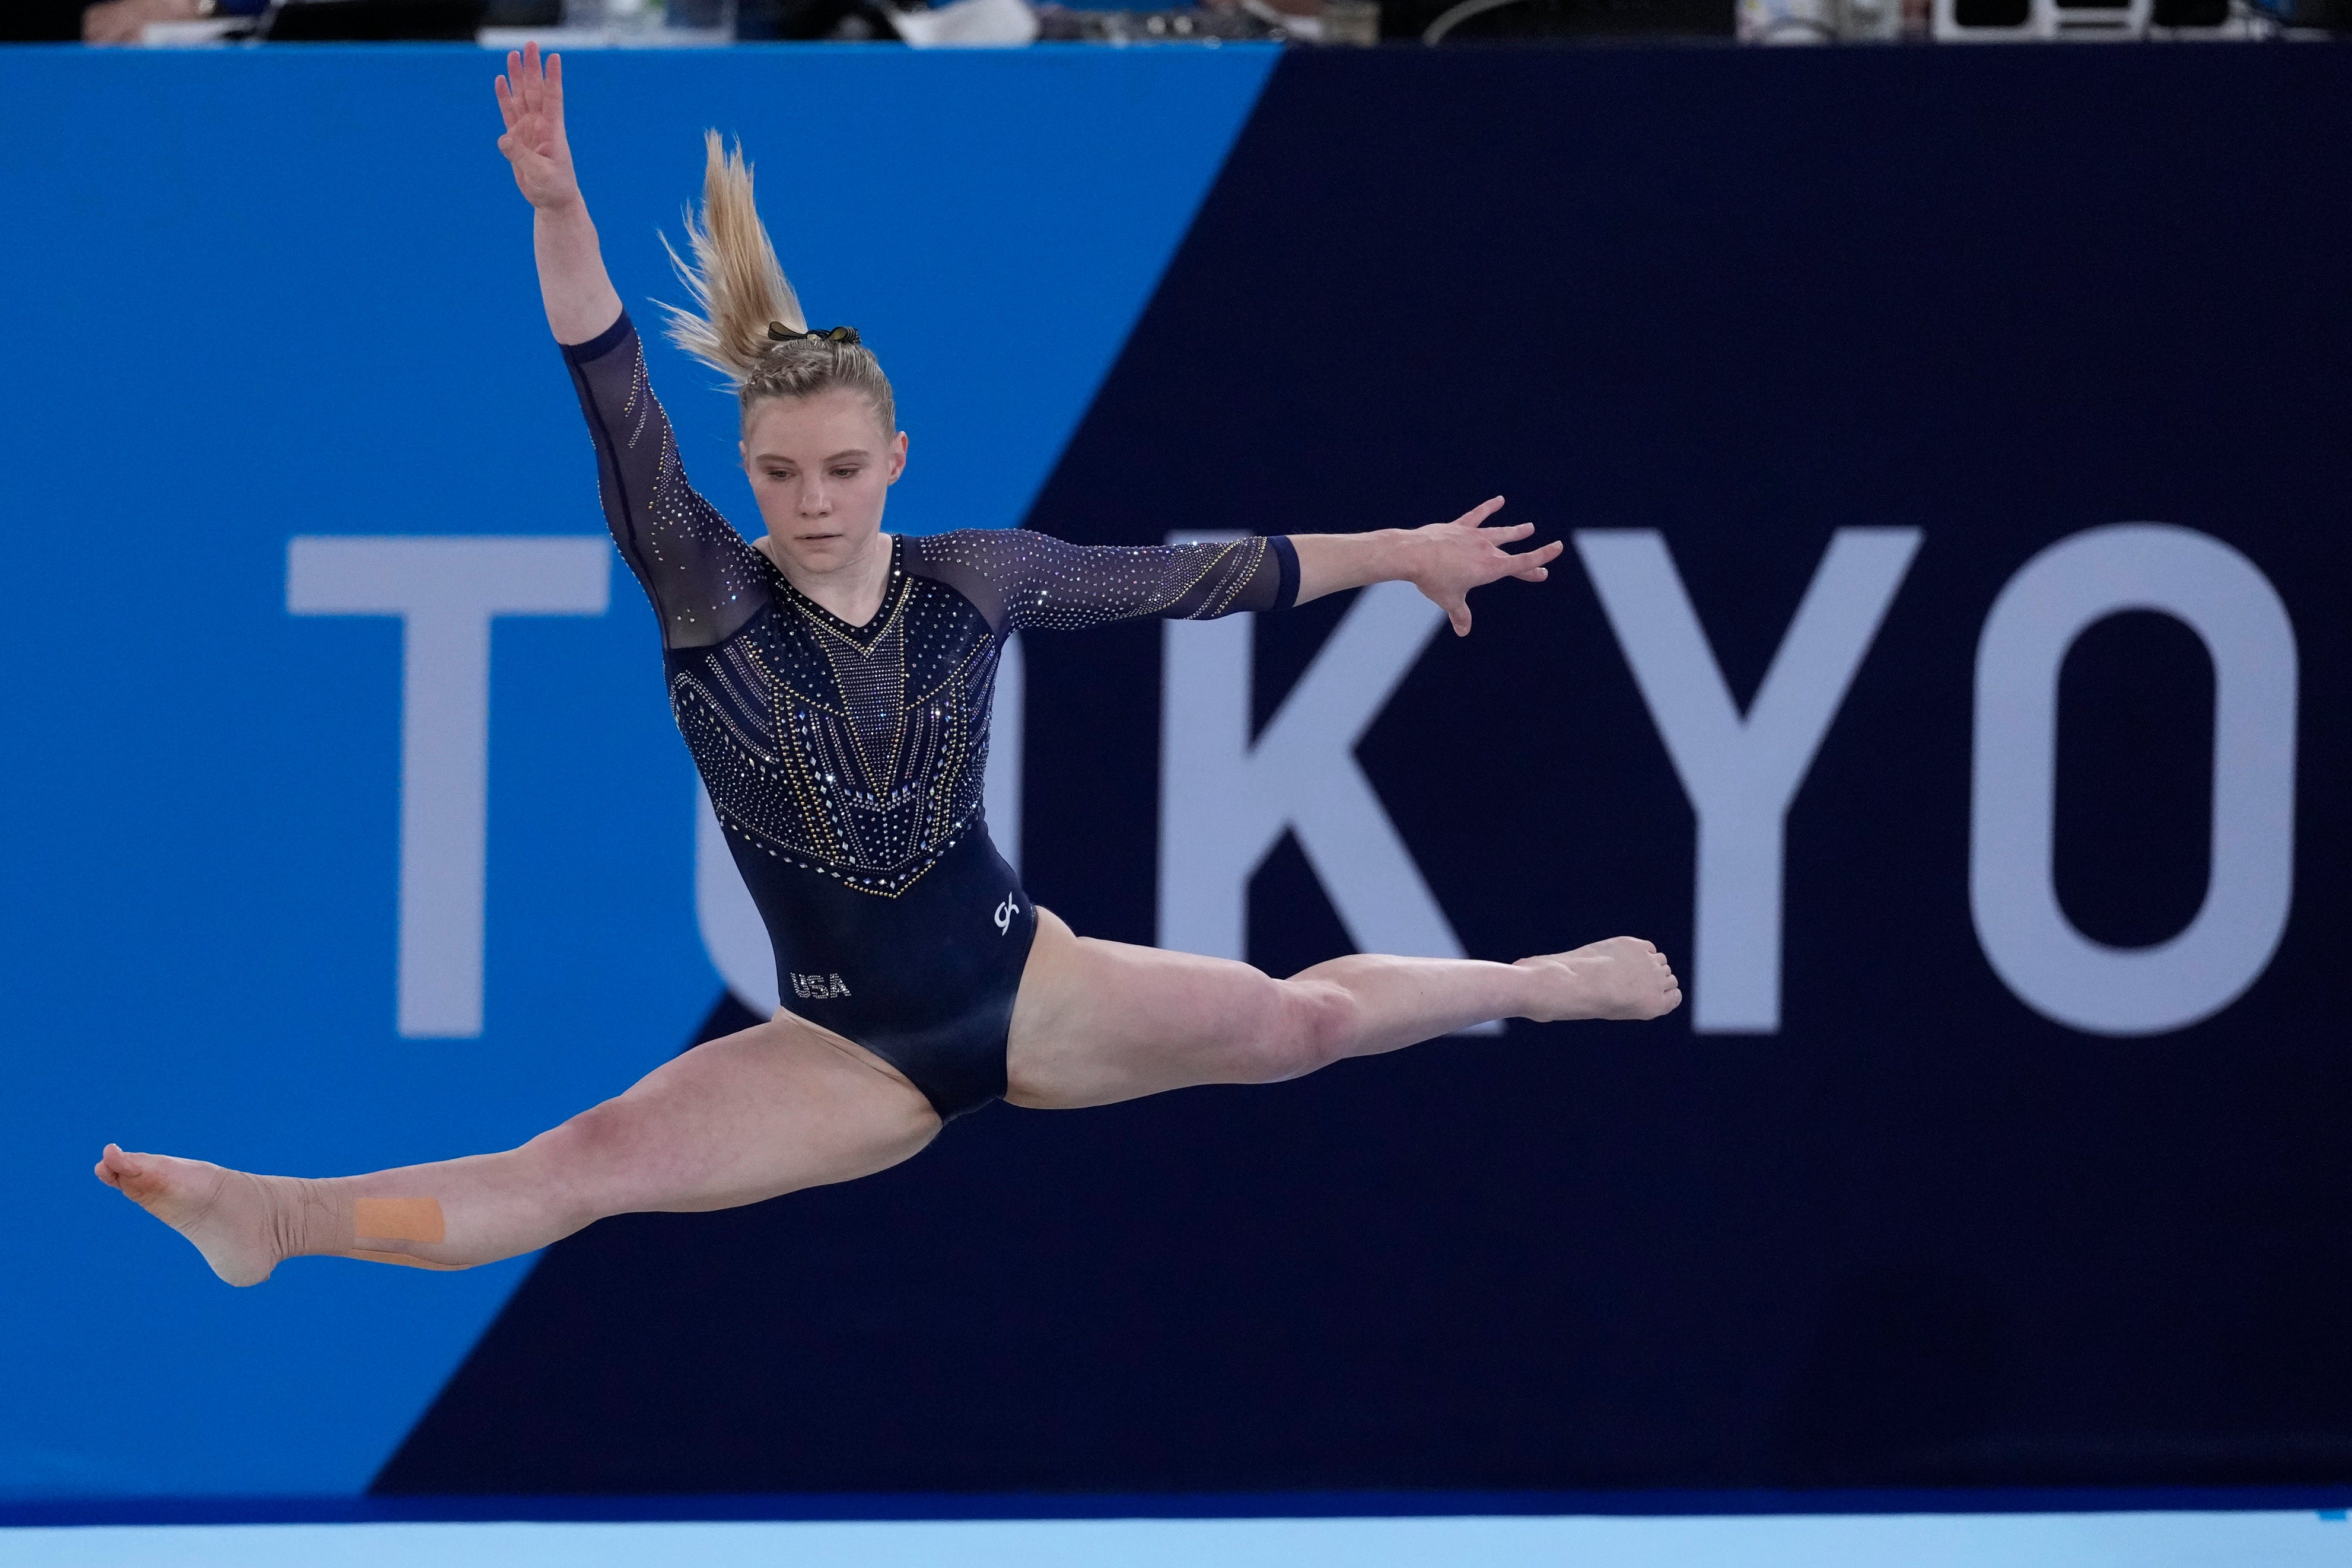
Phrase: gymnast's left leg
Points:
(1098, 1022)
(777, 1107)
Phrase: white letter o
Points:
(2225, 598)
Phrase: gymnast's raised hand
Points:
(833, 682)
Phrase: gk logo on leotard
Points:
(818, 987)
(1005, 914)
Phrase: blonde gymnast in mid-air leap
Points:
(833, 683)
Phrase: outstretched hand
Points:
(1449, 559)
(530, 100)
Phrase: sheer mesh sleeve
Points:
(704, 581)
(1021, 579)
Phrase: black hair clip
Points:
(783, 334)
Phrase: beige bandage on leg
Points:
(397, 1219)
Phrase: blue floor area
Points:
(893, 1508)
(1768, 1540)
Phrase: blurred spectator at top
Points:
(105, 22)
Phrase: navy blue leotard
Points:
(846, 762)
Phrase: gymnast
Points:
(834, 682)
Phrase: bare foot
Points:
(1623, 977)
(243, 1224)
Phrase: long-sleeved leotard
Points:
(846, 762)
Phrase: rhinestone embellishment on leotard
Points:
(874, 757)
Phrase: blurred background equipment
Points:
(374, 21)
(1563, 21)
(2314, 16)
(574, 24)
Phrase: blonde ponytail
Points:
(736, 279)
(740, 290)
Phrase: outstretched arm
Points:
(1444, 560)
(580, 298)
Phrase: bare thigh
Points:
(1098, 1022)
(777, 1107)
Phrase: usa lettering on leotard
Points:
(818, 987)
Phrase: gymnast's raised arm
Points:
(705, 582)
(580, 298)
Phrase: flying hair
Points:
(740, 292)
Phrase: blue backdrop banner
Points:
(260, 298)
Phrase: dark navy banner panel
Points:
(1930, 1184)
(1940, 670)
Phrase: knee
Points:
(593, 1132)
(1313, 1024)
(601, 1140)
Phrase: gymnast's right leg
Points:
(774, 1109)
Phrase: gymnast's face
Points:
(820, 469)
